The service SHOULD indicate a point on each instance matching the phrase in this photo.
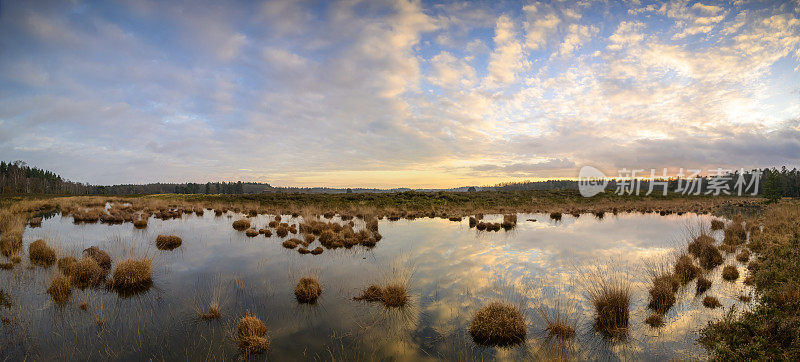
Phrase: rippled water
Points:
(452, 271)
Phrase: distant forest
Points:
(19, 178)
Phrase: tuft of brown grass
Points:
(252, 232)
(703, 284)
(100, 256)
(132, 274)
(655, 320)
(711, 302)
(685, 270)
(60, 289)
(717, 224)
(662, 293)
(743, 256)
(394, 295)
(241, 224)
(555, 216)
(498, 324)
(140, 223)
(41, 254)
(373, 293)
(704, 250)
(212, 313)
(86, 272)
(730, 273)
(65, 263)
(168, 242)
(735, 233)
(250, 334)
(291, 243)
(610, 297)
(316, 251)
(307, 290)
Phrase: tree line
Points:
(19, 178)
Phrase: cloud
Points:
(394, 92)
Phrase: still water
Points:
(451, 271)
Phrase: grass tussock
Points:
(717, 224)
(702, 285)
(140, 223)
(41, 254)
(743, 256)
(393, 295)
(730, 273)
(251, 333)
(498, 324)
(241, 224)
(655, 320)
(558, 323)
(251, 233)
(735, 233)
(132, 275)
(711, 302)
(86, 272)
(213, 312)
(101, 257)
(291, 243)
(168, 242)
(704, 250)
(685, 270)
(610, 295)
(65, 264)
(60, 289)
(307, 290)
(555, 216)
(662, 292)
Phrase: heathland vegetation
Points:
(764, 236)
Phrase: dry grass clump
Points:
(35, 222)
(132, 275)
(60, 289)
(282, 230)
(703, 284)
(730, 273)
(717, 224)
(86, 272)
(140, 223)
(250, 333)
(7, 266)
(168, 242)
(704, 250)
(655, 320)
(610, 297)
(65, 263)
(727, 248)
(212, 313)
(711, 302)
(291, 243)
(100, 256)
(251, 232)
(753, 266)
(555, 216)
(509, 221)
(307, 290)
(316, 251)
(735, 233)
(472, 221)
(498, 324)
(685, 270)
(559, 324)
(41, 254)
(744, 256)
(373, 293)
(745, 298)
(241, 224)
(662, 293)
(393, 295)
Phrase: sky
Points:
(396, 93)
